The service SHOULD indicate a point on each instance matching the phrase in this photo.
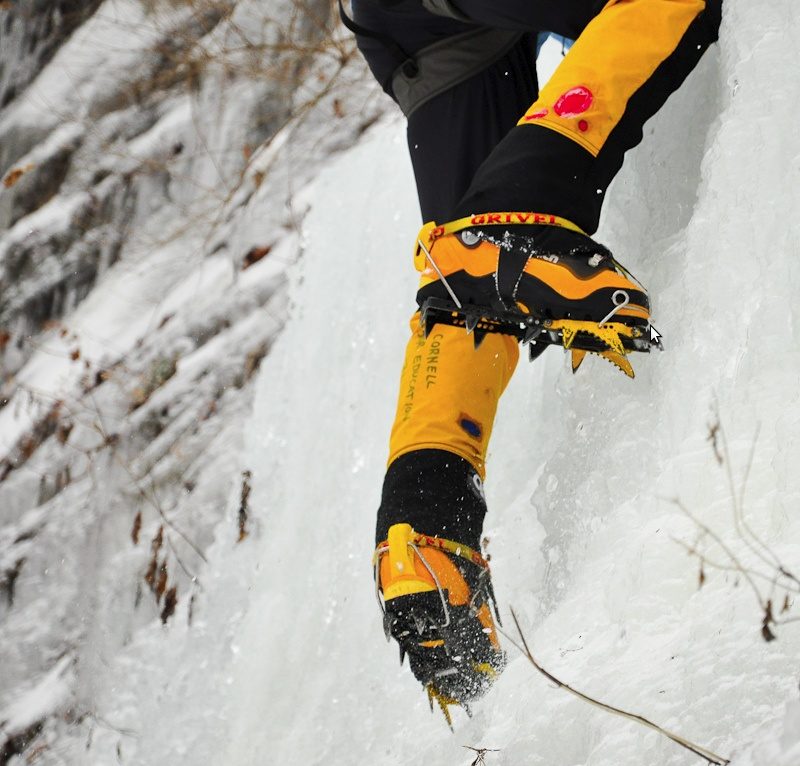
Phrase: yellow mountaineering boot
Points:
(436, 597)
(536, 277)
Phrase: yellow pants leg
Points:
(615, 56)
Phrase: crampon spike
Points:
(531, 334)
(578, 356)
(443, 701)
(429, 324)
(535, 350)
(620, 362)
(471, 322)
(402, 655)
(477, 338)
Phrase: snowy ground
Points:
(284, 660)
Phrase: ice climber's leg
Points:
(444, 418)
(449, 391)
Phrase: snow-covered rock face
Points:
(32, 33)
(152, 155)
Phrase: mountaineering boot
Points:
(436, 596)
(546, 284)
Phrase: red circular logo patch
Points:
(574, 102)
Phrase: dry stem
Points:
(709, 756)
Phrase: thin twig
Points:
(728, 552)
(736, 568)
(769, 558)
(480, 754)
(709, 756)
(779, 578)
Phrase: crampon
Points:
(435, 595)
(611, 340)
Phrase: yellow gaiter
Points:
(449, 392)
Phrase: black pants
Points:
(469, 154)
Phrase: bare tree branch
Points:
(708, 755)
